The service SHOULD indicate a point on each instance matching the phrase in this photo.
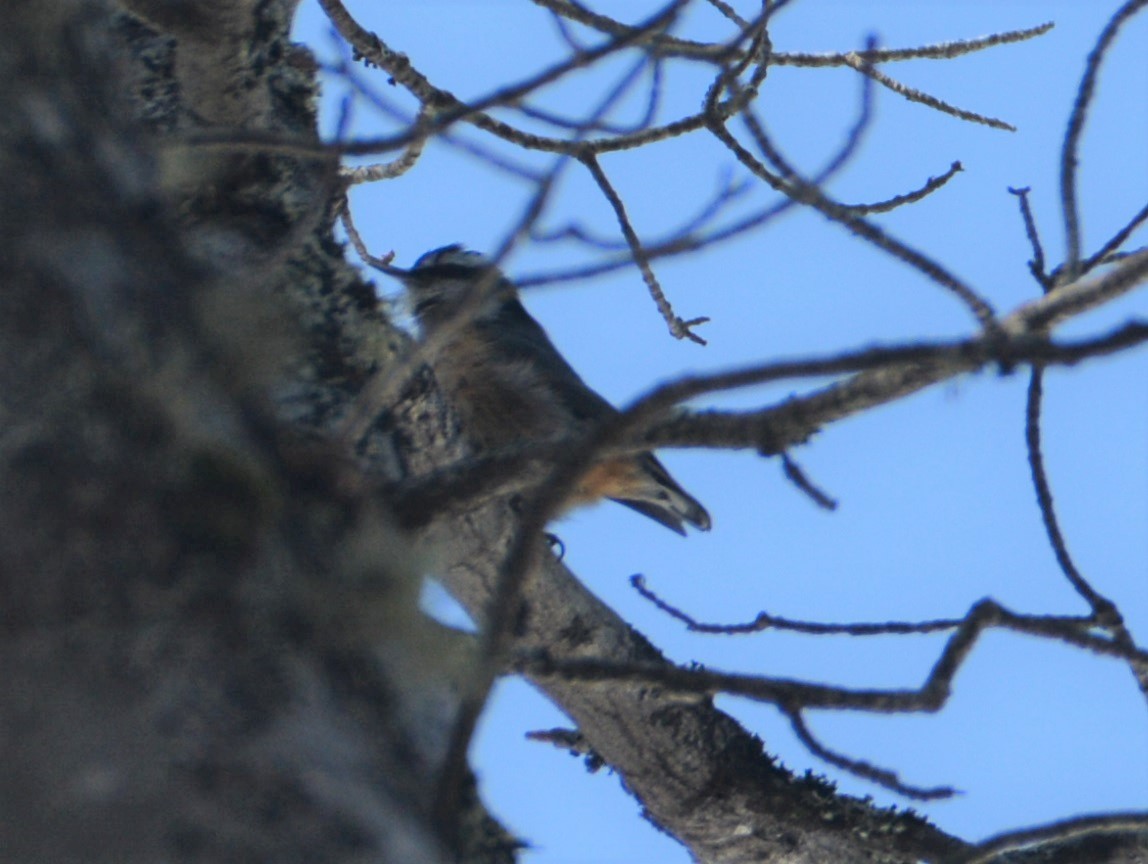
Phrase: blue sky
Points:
(937, 509)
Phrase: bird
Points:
(510, 385)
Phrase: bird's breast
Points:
(501, 401)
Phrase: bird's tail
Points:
(659, 497)
(642, 483)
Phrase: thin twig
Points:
(930, 697)
(447, 109)
(357, 241)
(1107, 252)
(1100, 605)
(684, 241)
(423, 120)
(660, 44)
(679, 327)
(1036, 263)
(806, 193)
(860, 768)
(673, 46)
(1104, 610)
(859, 62)
(764, 621)
(860, 125)
(930, 186)
(653, 99)
(725, 195)
(450, 110)
(386, 170)
(1069, 154)
(797, 477)
(728, 11)
(936, 51)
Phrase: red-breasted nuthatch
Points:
(510, 386)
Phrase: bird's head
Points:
(455, 281)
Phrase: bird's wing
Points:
(516, 336)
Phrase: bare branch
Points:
(930, 186)
(1107, 252)
(1069, 158)
(936, 51)
(726, 194)
(807, 193)
(672, 46)
(389, 170)
(1073, 630)
(774, 429)
(653, 99)
(1036, 263)
(659, 44)
(859, 768)
(420, 127)
(796, 476)
(447, 109)
(468, 483)
(863, 64)
(953, 357)
(680, 328)
(1065, 829)
(684, 241)
(728, 11)
(765, 621)
(1104, 611)
(357, 241)
(1101, 606)
(787, 693)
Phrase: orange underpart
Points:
(617, 478)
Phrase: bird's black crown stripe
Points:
(447, 271)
